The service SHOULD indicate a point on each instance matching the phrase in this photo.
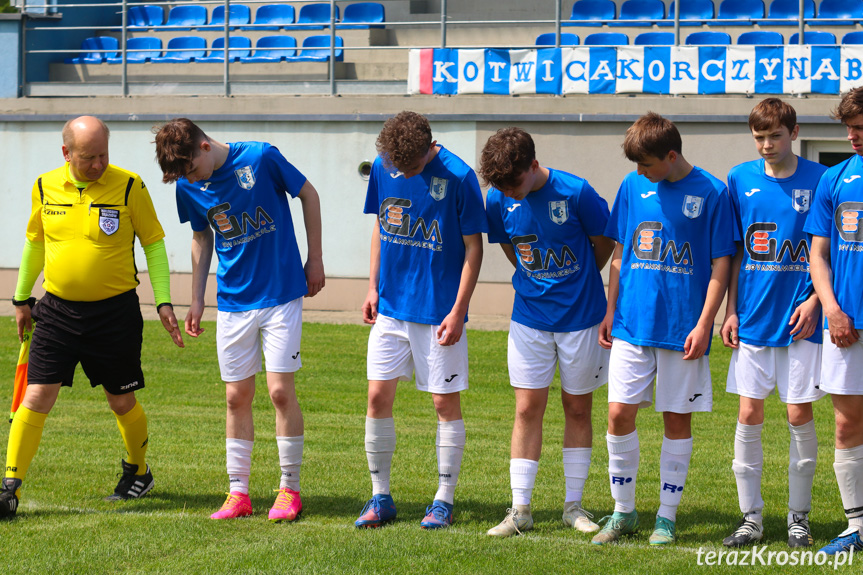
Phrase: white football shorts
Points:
(241, 334)
(398, 348)
(755, 371)
(841, 368)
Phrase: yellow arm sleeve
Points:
(160, 275)
(32, 262)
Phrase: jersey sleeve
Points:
(373, 202)
(283, 173)
(35, 232)
(494, 216)
(735, 206)
(592, 211)
(722, 227)
(616, 226)
(145, 222)
(471, 211)
(820, 219)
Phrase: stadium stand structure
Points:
(549, 39)
(186, 17)
(240, 15)
(360, 15)
(814, 37)
(317, 49)
(654, 39)
(272, 49)
(182, 50)
(606, 39)
(739, 12)
(146, 16)
(760, 38)
(316, 16)
(640, 13)
(692, 13)
(238, 47)
(786, 12)
(96, 50)
(853, 38)
(272, 17)
(592, 12)
(139, 50)
(708, 38)
(839, 12)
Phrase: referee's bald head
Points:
(83, 125)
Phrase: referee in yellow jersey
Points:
(82, 228)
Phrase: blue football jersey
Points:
(422, 221)
(245, 201)
(671, 232)
(557, 284)
(774, 273)
(836, 213)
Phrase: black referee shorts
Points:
(103, 336)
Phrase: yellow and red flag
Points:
(21, 374)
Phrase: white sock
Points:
(802, 456)
(576, 464)
(747, 465)
(849, 474)
(673, 469)
(380, 446)
(522, 475)
(623, 456)
(290, 460)
(239, 463)
(450, 449)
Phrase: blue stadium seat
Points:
(596, 11)
(640, 12)
(188, 16)
(239, 47)
(739, 12)
(149, 46)
(315, 16)
(813, 37)
(145, 16)
(787, 12)
(760, 38)
(240, 14)
(190, 48)
(839, 12)
(272, 49)
(853, 38)
(363, 15)
(319, 49)
(272, 17)
(606, 39)
(654, 39)
(548, 39)
(90, 53)
(692, 13)
(708, 39)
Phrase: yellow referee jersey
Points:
(89, 234)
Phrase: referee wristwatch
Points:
(29, 301)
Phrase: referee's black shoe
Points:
(131, 486)
(9, 497)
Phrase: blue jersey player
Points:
(426, 253)
(550, 225)
(673, 227)
(837, 266)
(772, 317)
(236, 198)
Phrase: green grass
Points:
(63, 525)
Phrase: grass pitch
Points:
(63, 526)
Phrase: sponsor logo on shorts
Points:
(450, 378)
(296, 355)
(694, 397)
(129, 386)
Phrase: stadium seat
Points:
(606, 39)
(90, 53)
(594, 11)
(708, 39)
(315, 16)
(813, 37)
(853, 38)
(145, 16)
(139, 50)
(839, 12)
(272, 49)
(319, 49)
(240, 14)
(760, 38)
(363, 15)
(189, 48)
(654, 39)
(272, 17)
(692, 13)
(548, 39)
(640, 13)
(217, 50)
(187, 16)
(739, 12)
(787, 12)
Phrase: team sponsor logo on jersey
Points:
(245, 177)
(558, 211)
(513, 207)
(109, 220)
(752, 192)
(762, 248)
(851, 179)
(230, 226)
(49, 212)
(534, 260)
(692, 206)
(204, 187)
(648, 194)
(801, 200)
(402, 229)
(437, 188)
(847, 220)
(647, 245)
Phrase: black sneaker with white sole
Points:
(9, 497)
(132, 486)
(746, 533)
(799, 534)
